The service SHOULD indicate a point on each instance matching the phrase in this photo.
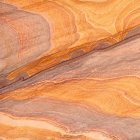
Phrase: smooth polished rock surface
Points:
(70, 70)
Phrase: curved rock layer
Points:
(82, 108)
(41, 31)
(94, 94)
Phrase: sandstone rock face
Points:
(69, 70)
